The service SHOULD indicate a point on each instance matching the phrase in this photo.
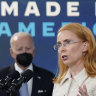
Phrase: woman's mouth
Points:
(64, 57)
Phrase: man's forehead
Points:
(15, 38)
(21, 37)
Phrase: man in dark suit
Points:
(22, 50)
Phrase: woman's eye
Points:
(67, 42)
(59, 45)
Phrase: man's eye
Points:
(19, 49)
(28, 48)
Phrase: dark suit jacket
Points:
(42, 81)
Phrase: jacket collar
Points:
(79, 78)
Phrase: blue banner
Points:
(42, 19)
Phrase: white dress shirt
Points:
(70, 86)
(29, 83)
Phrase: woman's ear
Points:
(85, 46)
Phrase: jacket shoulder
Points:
(43, 72)
(4, 72)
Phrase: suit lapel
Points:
(36, 82)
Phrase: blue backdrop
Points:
(42, 19)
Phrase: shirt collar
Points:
(67, 76)
(17, 68)
(79, 78)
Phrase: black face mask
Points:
(24, 59)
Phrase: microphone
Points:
(16, 84)
(4, 83)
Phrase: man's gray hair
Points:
(19, 34)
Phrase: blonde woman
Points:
(77, 67)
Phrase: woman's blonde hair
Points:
(84, 34)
